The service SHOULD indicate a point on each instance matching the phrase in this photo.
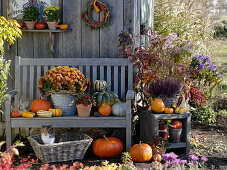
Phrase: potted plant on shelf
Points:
(158, 144)
(30, 14)
(165, 89)
(63, 84)
(53, 16)
(84, 102)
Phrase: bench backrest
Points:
(118, 72)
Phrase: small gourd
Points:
(168, 110)
(157, 105)
(56, 112)
(119, 109)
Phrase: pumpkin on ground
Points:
(56, 112)
(157, 158)
(15, 113)
(176, 124)
(168, 110)
(141, 152)
(119, 109)
(105, 110)
(99, 85)
(157, 105)
(108, 98)
(107, 147)
(40, 104)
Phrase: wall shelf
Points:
(46, 30)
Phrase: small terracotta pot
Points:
(83, 111)
(30, 24)
(40, 26)
(52, 25)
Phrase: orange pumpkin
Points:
(105, 110)
(40, 104)
(157, 105)
(107, 147)
(15, 113)
(168, 110)
(157, 158)
(141, 152)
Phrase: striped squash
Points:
(99, 85)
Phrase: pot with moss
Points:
(30, 14)
(53, 16)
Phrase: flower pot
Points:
(40, 26)
(175, 135)
(83, 110)
(65, 102)
(30, 24)
(163, 131)
(52, 25)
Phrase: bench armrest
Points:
(130, 95)
(11, 95)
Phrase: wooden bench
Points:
(118, 72)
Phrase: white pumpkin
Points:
(119, 109)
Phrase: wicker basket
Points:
(65, 102)
(72, 147)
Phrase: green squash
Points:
(104, 97)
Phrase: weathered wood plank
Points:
(26, 45)
(109, 34)
(24, 82)
(31, 84)
(95, 71)
(41, 45)
(102, 73)
(109, 78)
(38, 74)
(70, 122)
(122, 81)
(116, 79)
(72, 40)
(75, 61)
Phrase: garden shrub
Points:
(221, 30)
(9, 31)
(204, 114)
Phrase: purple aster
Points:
(169, 156)
(204, 159)
(176, 161)
(201, 66)
(193, 157)
(183, 161)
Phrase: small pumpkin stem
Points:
(105, 137)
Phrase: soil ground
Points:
(209, 141)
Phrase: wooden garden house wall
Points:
(81, 41)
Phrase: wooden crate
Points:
(149, 126)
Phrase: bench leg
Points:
(128, 138)
(8, 136)
(8, 129)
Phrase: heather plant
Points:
(167, 87)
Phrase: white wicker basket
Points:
(73, 147)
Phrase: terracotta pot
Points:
(30, 24)
(52, 25)
(40, 26)
(163, 131)
(83, 111)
